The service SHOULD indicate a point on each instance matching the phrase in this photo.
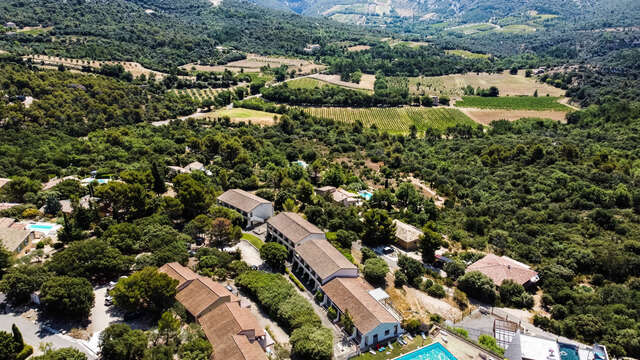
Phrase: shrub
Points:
(367, 254)
(400, 279)
(30, 213)
(489, 342)
(462, 332)
(412, 325)
(332, 313)
(460, 298)
(437, 291)
(375, 271)
(478, 285)
(27, 351)
(319, 296)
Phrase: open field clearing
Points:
(414, 44)
(518, 29)
(512, 103)
(236, 115)
(467, 54)
(396, 120)
(306, 83)
(358, 48)
(451, 85)
(366, 82)
(470, 29)
(253, 63)
(486, 116)
(133, 67)
(34, 30)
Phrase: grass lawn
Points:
(254, 240)
(512, 103)
(397, 350)
(241, 113)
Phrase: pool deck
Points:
(420, 348)
(462, 349)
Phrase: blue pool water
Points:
(39, 227)
(365, 194)
(432, 352)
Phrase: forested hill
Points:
(158, 33)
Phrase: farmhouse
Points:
(407, 235)
(339, 195)
(373, 318)
(291, 230)
(55, 181)
(501, 268)
(11, 25)
(325, 190)
(321, 262)
(15, 239)
(254, 209)
(67, 207)
(189, 168)
(231, 328)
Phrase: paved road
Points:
(250, 255)
(33, 335)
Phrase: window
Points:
(386, 333)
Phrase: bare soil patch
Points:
(253, 63)
(359, 48)
(486, 116)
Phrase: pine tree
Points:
(158, 179)
(17, 336)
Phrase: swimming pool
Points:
(432, 352)
(40, 227)
(365, 194)
(568, 352)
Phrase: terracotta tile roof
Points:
(196, 165)
(241, 199)
(340, 195)
(12, 237)
(323, 258)
(232, 331)
(502, 268)
(353, 294)
(293, 226)
(55, 181)
(178, 272)
(202, 294)
(406, 233)
(5, 206)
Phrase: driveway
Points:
(34, 334)
(250, 255)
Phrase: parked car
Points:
(108, 301)
(387, 250)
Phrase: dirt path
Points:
(428, 191)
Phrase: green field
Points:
(396, 120)
(512, 103)
(467, 54)
(305, 83)
(254, 240)
(518, 29)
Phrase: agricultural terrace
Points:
(512, 103)
(452, 85)
(467, 54)
(358, 48)
(253, 63)
(133, 67)
(486, 116)
(396, 120)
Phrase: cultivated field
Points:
(366, 83)
(512, 103)
(133, 67)
(451, 85)
(237, 115)
(396, 120)
(486, 116)
(198, 94)
(358, 48)
(306, 83)
(253, 63)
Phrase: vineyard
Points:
(512, 103)
(396, 120)
(306, 83)
(198, 94)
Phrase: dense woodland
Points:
(562, 197)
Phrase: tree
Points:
(274, 254)
(52, 205)
(125, 237)
(21, 281)
(5, 259)
(346, 238)
(62, 354)
(159, 187)
(91, 258)
(400, 279)
(382, 199)
(375, 271)
(412, 268)
(17, 335)
(304, 191)
(8, 347)
(347, 322)
(430, 241)
(125, 200)
(454, 269)
(18, 189)
(168, 326)
(489, 342)
(478, 285)
(197, 227)
(191, 194)
(311, 343)
(67, 297)
(223, 234)
(119, 342)
(514, 294)
(379, 228)
(147, 290)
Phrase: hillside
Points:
(160, 34)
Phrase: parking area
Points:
(250, 254)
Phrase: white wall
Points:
(263, 211)
(345, 273)
(380, 330)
